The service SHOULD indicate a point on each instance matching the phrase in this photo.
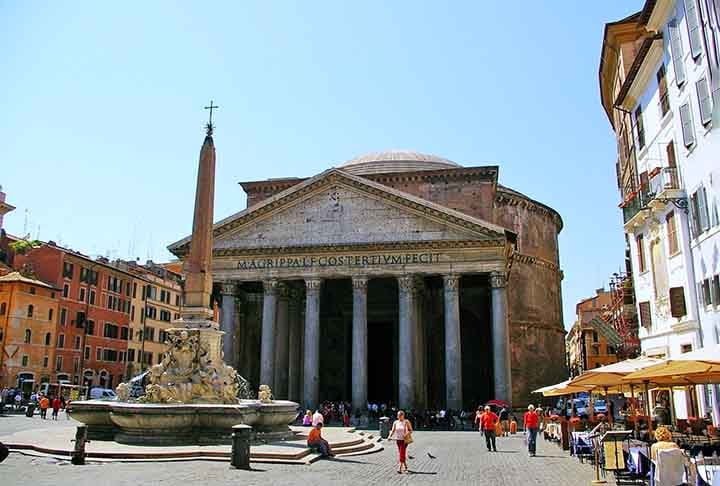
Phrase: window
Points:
(716, 290)
(68, 270)
(25, 360)
(677, 302)
(92, 297)
(645, 315)
(3, 308)
(700, 218)
(81, 297)
(639, 127)
(130, 355)
(706, 292)
(150, 334)
(98, 354)
(66, 291)
(132, 313)
(76, 364)
(32, 290)
(61, 341)
(90, 327)
(110, 331)
(124, 332)
(110, 355)
(28, 336)
(685, 348)
(63, 316)
(77, 342)
(134, 291)
(641, 253)
(686, 121)
(80, 320)
(693, 25)
(30, 311)
(58, 363)
(663, 91)
(676, 52)
(594, 336)
(50, 315)
(46, 362)
(672, 233)
(87, 352)
(48, 337)
(704, 100)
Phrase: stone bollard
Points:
(78, 454)
(385, 427)
(241, 446)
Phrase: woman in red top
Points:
(56, 407)
(531, 420)
(488, 421)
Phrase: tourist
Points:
(488, 421)
(504, 420)
(44, 404)
(307, 419)
(55, 407)
(346, 418)
(401, 433)
(316, 441)
(18, 401)
(664, 441)
(530, 422)
(317, 418)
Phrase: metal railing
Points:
(666, 179)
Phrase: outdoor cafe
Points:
(636, 434)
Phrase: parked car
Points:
(102, 394)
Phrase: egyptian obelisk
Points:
(197, 265)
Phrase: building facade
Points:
(397, 277)
(28, 310)
(92, 324)
(659, 80)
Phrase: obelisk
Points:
(197, 265)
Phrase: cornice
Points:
(649, 53)
(508, 197)
(533, 260)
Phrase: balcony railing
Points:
(666, 178)
(634, 205)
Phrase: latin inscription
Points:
(340, 261)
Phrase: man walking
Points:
(530, 421)
(504, 415)
(488, 421)
(55, 407)
(44, 404)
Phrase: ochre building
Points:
(396, 277)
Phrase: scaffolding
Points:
(622, 315)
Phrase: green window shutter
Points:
(692, 18)
(676, 51)
(686, 120)
(704, 101)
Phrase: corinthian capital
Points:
(451, 282)
(270, 286)
(228, 288)
(498, 280)
(407, 283)
(360, 283)
(313, 284)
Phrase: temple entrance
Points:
(336, 340)
(382, 340)
(476, 340)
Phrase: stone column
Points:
(359, 345)
(294, 345)
(267, 343)
(281, 343)
(453, 355)
(501, 337)
(420, 357)
(311, 376)
(228, 323)
(407, 343)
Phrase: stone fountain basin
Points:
(173, 424)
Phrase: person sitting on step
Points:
(316, 441)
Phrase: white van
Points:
(102, 394)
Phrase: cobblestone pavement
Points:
(461, 459)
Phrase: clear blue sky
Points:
(102, 115)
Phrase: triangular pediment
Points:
(336, 208)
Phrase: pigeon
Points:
(431, 456)
(411, 457)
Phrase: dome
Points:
(396, 161)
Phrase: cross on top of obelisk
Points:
(209, 127)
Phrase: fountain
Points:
(192, 396)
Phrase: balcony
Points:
(662, 188)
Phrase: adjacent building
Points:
(660, 84)
(28, 313)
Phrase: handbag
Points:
(408, 438)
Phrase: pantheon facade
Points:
(396, 277)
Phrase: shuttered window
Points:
(672, 233)
(702, 206)
(641, 252)
(677, 302)
(692, 18)
(663, 91)
(645, 316)
(639, 127)
(704, 100)
(676, 51)
(686, 120)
